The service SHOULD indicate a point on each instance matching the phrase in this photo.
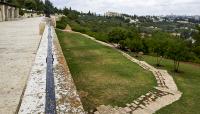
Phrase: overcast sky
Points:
(139, 7)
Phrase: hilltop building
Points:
(197, 18)
(8, 11)
(110, 14)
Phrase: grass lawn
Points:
(103, 75)
(188, 82)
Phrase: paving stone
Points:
(140, 98)
(142, 106)
(127, 109)
(128, 105)
(133, 104)
(136, 102)
(133, 108)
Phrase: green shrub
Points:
(60, 25)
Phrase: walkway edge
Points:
(33, 100)
(24, 88)
(67, 98)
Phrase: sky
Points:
(138, 7)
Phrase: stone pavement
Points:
(164, 94)
(19, 41)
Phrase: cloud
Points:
(139, 7)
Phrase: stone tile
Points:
(127, 109)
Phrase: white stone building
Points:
(110, 14)
(8, 11)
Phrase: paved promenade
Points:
(19, 41)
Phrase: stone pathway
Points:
(164, 94)
(19, 41)
(34, 97)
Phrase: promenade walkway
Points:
(19, 41)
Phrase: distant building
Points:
(183, 22)
(110, 14)
(197, 18)
(176, 34)
(134, 21)
(8, 11)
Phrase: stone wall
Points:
(67, 98)
(2, 12)
(1, 16)
(8, 13)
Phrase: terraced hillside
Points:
(102, 74)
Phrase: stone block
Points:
(127, 109)
(128, 105)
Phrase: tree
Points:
(196, 50)
(40, 5)
(14, 2)
(72, 16)
(196, 36)
(48, 8)
(30, 4)
(158, 44)
(20, 3)
(66, 11)
(122, 44)
(116, 35)
(196, 45)
(134, 44)
(177, 51)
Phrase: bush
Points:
(196, 50)
(79, 29)
(60, 25)
(21, 12)
(116, 35)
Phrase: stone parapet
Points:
(67, 98)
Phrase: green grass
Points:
(188, 82)
(103, 75)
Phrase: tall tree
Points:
(15, 2)
(177, 51)
(40, 5)
(30, 4)
(49, 8)
(196, 36)
(158, 44)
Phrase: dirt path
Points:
(19, 41)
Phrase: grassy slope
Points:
(188, 82)
(102, 72)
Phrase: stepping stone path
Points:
(164, 94)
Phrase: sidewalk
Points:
(19, 41)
